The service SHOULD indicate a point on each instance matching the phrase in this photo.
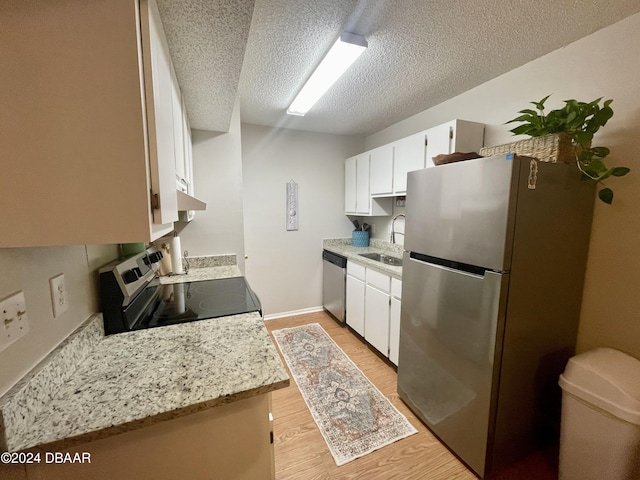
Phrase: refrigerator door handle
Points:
(457, 267)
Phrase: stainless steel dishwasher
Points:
(334, 279)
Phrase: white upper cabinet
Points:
(178, 130)
(188, 152)
(363, 197)
(454, 136)
(439, 141)
(409, 155)
(350, 184)
(162, 119)
(357, 189)
(382, 170)
(89, 145)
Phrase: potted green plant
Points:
(576, 123)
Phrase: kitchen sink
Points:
(382, 258)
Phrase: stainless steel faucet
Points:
(393, 229)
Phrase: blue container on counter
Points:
(360, 238)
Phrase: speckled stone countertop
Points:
(206, 268)
(342, 246)
(134, 379)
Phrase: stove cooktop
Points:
(191, 301)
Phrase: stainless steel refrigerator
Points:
(492, 284)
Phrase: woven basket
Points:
(554, 148)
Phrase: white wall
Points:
(217, 171)
(285, 267)
(604, 64)
(29, 270)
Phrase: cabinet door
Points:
(356, 270)
(376, 325)
(394, 330)
(178, 128)
(159, 91)
(84, 150)
(438, 142)
(350, 180)
(363, 197)
(408, 156)
(188, 152)
(355, 304)
(378, 280)
(454, 136)
(467, 136)
(382, 170)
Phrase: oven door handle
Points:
(133, 316)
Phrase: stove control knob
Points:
(155, 257)
(130, 276)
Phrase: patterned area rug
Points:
(352, 415)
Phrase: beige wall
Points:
(217, 172)
(29, 270)
(604, 64)
(285, 267)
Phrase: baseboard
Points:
(293, 313)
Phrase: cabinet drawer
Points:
(356, 270)
(396, 288)
(379, 280)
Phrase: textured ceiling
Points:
(421, 53)
(207, 40)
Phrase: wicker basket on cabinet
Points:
(554, 148)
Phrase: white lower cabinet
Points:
(373, 308)
(355, 304)
(376, 330)
(394, 330)
(394, 320)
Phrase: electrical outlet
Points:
(59, 298)
(14, 322)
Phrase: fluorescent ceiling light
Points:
(343, 53)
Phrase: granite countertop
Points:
(206, 268)
(342, 246)
(94, 386)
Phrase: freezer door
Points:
(451, 323)
(463, 211)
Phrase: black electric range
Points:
(133, 298)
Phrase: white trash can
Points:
(600, 427)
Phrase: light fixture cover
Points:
(342, 54)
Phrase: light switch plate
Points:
(14, 322)
(59, 299)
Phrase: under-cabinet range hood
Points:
(186, 202)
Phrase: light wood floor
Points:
(301, 452)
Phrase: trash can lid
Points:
(606, 378)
